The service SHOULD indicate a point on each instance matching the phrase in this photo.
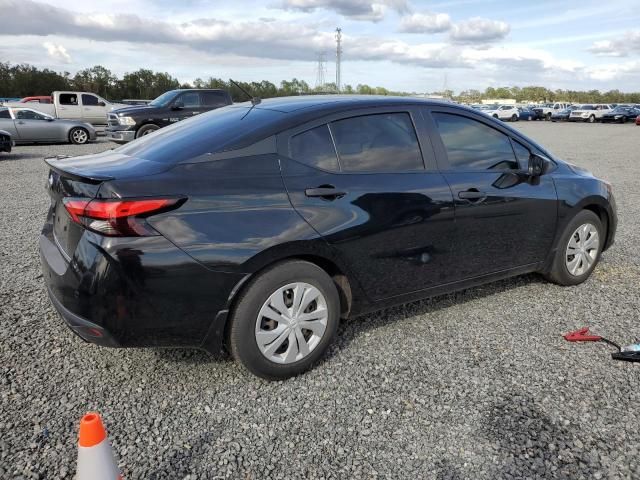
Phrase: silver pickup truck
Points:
(84, 106)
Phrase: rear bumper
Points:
(135, 292)
(120, 136)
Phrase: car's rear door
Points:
(504, 218)
(7, 123)
(359, 179)
(68, 105)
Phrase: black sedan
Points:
(6, 142)
(621, 115)
(256, 228)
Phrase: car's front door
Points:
(94, 109)
(361, 182)
(190, 104)
(33, 126)
(504, 218)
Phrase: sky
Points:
(402, 45)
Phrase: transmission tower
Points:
(322, 69)
(338, 56)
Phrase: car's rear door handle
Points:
(472, 194)
(328, 192)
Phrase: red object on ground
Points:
(638, 120)
(582, 335)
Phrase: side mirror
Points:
(102, 104)
(538, 165)
(177, 105)
(49, 119)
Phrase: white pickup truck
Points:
(84, 106)
(545, 111)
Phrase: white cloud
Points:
(478, 30)
(354, 9)
(57, 52)
(614, 71)
(425, 23)
(623, 46)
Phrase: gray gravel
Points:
(478, 384)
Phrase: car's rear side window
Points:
(5, 113)
(377, 143)
(315, 148)
(472, 145)
(68, 99)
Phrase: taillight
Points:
(119, 218)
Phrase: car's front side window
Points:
(89, 100)
(472, 145)
(377, 143)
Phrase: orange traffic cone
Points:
(95, 458)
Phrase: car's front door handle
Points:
(472, 194)
(328, 192)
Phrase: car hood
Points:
(107, 165)
(135, 110)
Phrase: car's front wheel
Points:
(592, 119)
(147, 129)
(579, 250)
(514, 118)
(78, 136)
(284, 320)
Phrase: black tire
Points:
(78, 136)
(548, 117)
(495, 115)
(592, 119)
(242, 329)
(559, 272)
(146, 130)
(514, 118)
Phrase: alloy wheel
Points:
(582, 249)
(79, 136)
(291, 323)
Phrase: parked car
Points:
(29, 126)
(84, 106)
(6, 141)
(259, 226)
(504, 112)
(134, 122)
(38, 99)
(638, 120)
(590, 113)
(563, 115)
(545, 111)
(135, 101)
(620, 115)
(525, 113)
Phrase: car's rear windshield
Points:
(222, 129)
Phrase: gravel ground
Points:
(477, 384)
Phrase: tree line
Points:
(25, 80)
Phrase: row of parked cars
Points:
(558, 112)
(76, 117)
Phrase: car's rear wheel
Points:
(579, 250)
(514, 118)
(78, 136)
(284, 320)
(146, 130)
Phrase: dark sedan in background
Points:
(6, 142)
(258, 226)
(621, 115)
(564, 114)
(525, 113)
(29, 126)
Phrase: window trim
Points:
(441, 152)
(425, 144)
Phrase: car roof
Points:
(331, 102)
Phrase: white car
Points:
(504, 112)
(590, 112)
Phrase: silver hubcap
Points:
(582, 249)
(291, 323)
(79, 136)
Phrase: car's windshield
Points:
(164, 99)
